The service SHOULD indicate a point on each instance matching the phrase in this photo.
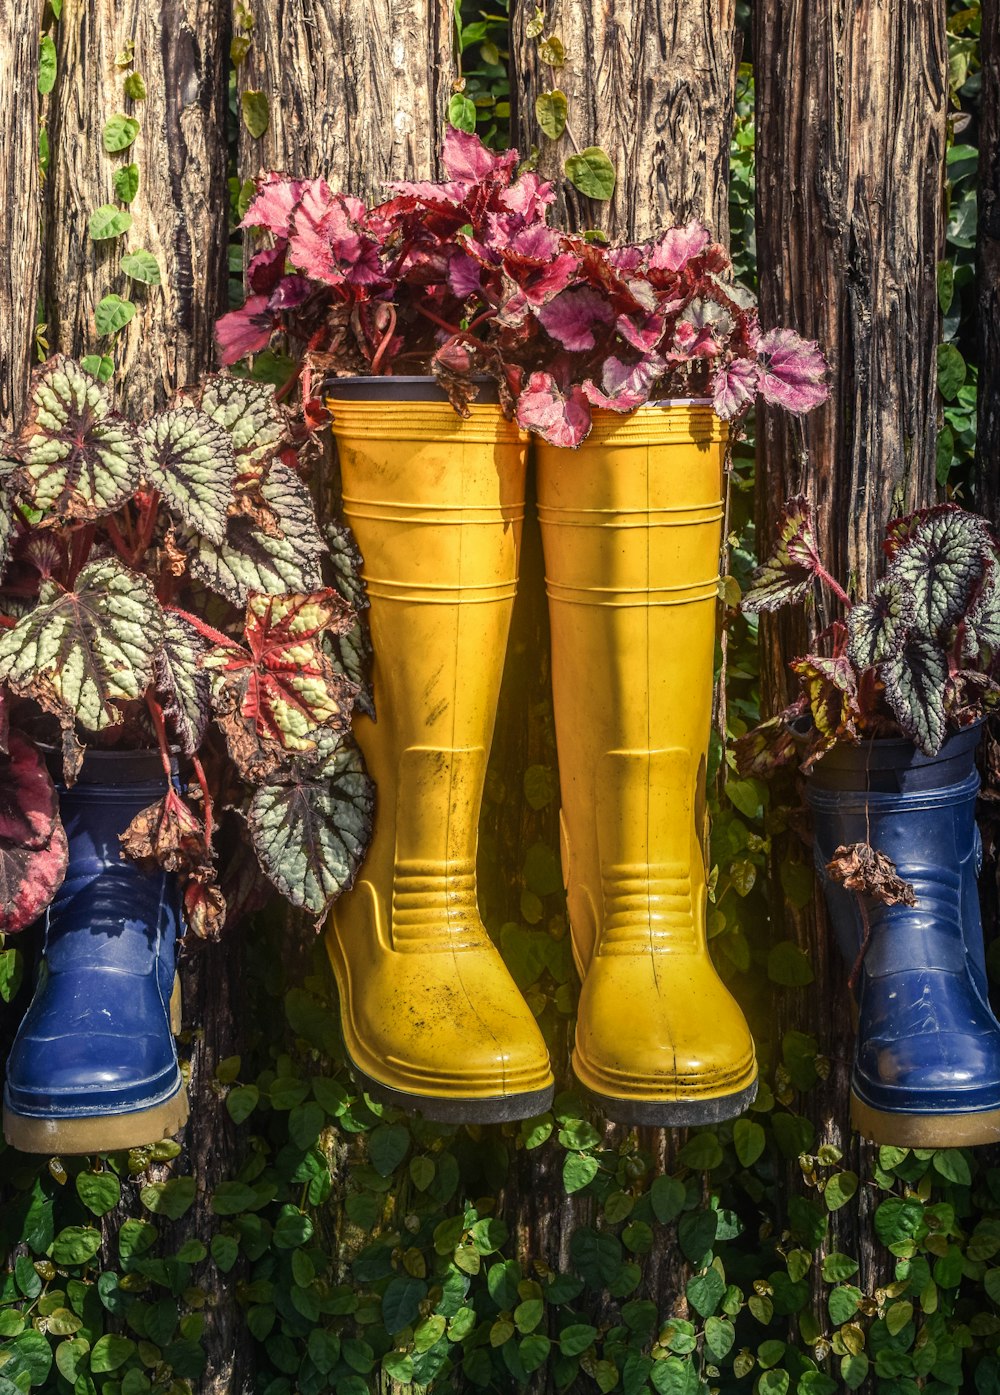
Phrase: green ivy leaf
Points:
(99, 366)
(75, 1244)
(702, 1152)
(576, 1338)
(172, 1198)
(541, 785)
(551, 112)
(108, 222)
(119, 133)
(839, 1190)
(112, 314)
(256, 113)
(720, 1334)
(951, 371)
(773, 1383)
(135, 87)
(462, 113)
(579, 1170)
(854, 1370)
(667, 1195)
(110, 1352)
(388, 1145)
(125, 182)
(141, 266)
(100, 1192)
(592, 172)
(401, 1303)
(789, 965)
(953, 1165)
(225, 1251)
(705, 1292)
(749, 1141)
(47, 64)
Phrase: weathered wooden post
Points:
(176, 157)
(851, 111)
(20, 214)
(988, 268)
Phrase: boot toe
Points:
(665, 1037)
(452, 1031)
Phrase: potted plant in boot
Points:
(464, 281)
(885, 729)
(168, 650)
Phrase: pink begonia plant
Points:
(463, 277)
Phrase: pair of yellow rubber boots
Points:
(631, 531)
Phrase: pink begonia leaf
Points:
(735, 387)
(632, 377)
(562, 420)
(677, 246)
(793, 371)
(272, 207)
(464, 275)
(622, 401)
(627, 259)
(541, 285)
(464, 156)
(267, 268)
(529, 196)
(325, 242)
(693, 341)
(645, 335)
(244, 331)
(573, 317)
(534, 246)
(291, 292)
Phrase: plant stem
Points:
(832, 584)
(202, 778)
(159, 726)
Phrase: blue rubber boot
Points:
(927, 1065)
(94, 1067)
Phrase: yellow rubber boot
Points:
(431, 1017)
(631, 528)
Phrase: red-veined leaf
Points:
(251, 560)
(29, 878)
(788, 574)
(940, 563)
(285, 681)
(29, 806)
(81, 460)
(183, 685)
(189, 459)
(830, 688)
(915, 679)
(878, 627)
(310, 831)
(79, 652)
(257, 426)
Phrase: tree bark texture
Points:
(851, 112)
(179, 214)
(651, 84)
(988, 267)
(357, 91)
(20, 213)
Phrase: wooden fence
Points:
(851, 135)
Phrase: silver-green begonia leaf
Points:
(189, 458)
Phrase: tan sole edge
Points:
(107, 1133)
(176, 1007)
(925, 1130)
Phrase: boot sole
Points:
(492, 1109)
(925, 1130)
(673, 1114)
(104, 1133)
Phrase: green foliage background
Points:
(371, 1251)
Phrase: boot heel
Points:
(925, 1130)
